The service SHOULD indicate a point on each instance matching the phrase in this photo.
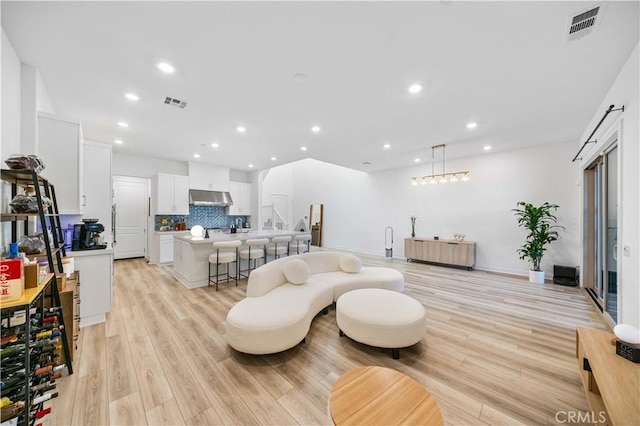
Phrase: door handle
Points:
(615, 252)
(113, 223)
(84, 200)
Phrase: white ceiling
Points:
(502, 64)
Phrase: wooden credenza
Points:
(611, 383)
(446, 252)
(70, 300)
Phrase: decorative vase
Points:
(536, 276)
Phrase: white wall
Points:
(277, 180)
(43, 101)
(359, 206)
(347, 196)
(145, 167)
(33, 98)
(624, 91)
(10, 99)
(10, 123)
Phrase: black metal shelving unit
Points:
(34, 301)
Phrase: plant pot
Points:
(536, 276)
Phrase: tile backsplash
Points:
(207, 216)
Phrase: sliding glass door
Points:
(601, 231)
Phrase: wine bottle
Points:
(13, 338)
(43, 398)
(19, 396)
(42, 413)
(34, 354)
(43, 387)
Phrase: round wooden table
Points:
(381, 396)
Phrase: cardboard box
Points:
(61, 280)
(11, 279)
(31, 275)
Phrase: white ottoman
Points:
(381, 318)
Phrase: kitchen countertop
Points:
(219, 236)
(81, 253)
(172, 232)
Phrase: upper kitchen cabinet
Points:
(171, 194)
(60, 148)
(241, 196)
(97, 197)
(208, 178)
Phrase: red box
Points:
(11, 279)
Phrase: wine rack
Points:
(33, 335)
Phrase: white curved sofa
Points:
(276, 314)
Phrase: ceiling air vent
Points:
(583, 24)
(175, 102)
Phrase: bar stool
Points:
(255, 249)
(300, 248)
(226, 252)
(280, 246)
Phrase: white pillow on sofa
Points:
(350, 263)
(296, 271)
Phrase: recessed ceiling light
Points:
(214, 145)
(416, 160)
(122, 124)
(386, 146)
(118, 141)
(299, 78)
(241, 129)
(472, 125)
(273, 158)
(165, 67)
(414, 88)
(196, 155)
(131, 96)
(487, 148)
(250, 166)
(315, 129)
(303, 148)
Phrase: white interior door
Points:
(130, 203)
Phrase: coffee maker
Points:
(87, 236)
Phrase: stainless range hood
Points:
(199, 197)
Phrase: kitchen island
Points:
(191, 254)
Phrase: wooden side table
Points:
(611, 383)
(378, 395)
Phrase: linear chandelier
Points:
(441, 177)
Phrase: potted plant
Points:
(540, 224)
(413, 226)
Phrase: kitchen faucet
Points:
(238, 222)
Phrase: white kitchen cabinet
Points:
(241, 196)
(208, 184)
(97, 197)
(96, 271)
(60, 148)
(161, 249)
(171, 194)
(208, 178)
(166, 248)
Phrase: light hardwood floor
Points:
(498, 350)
